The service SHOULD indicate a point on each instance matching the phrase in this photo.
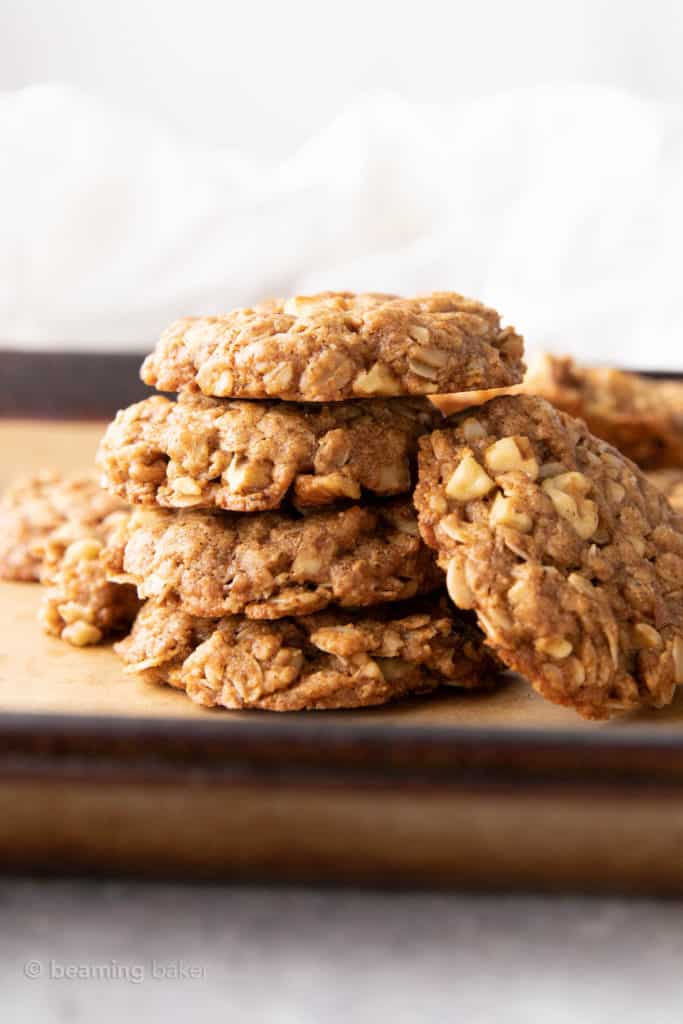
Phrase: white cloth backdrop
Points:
(561, 206)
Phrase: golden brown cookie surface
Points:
(244, 456)
(339, 345)
(273, 564)
(322, 661)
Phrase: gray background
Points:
(297, 955)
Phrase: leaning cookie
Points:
(273, 564)
(339, 345)
(322, 661)
(35, 507)
(249, 456)
(571, 559)
(641, 416)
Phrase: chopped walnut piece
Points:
(378, 380)
(468, 481)
(505, 456)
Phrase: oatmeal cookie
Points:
(35, 507)
(339, 345)
(571, 559)
(340, 660)
(80, 604)
(249, 456)
(670, 482)
(273, 564)
(641, 416)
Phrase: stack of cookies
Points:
(273, 537)
(301, 528)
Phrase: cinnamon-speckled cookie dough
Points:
(339, 345)
(35, 507)
(274, 564)
(323, 661)
(571, 559)
(248, 456)
(641, 416)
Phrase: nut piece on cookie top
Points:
(340, 345)
(571, 558)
